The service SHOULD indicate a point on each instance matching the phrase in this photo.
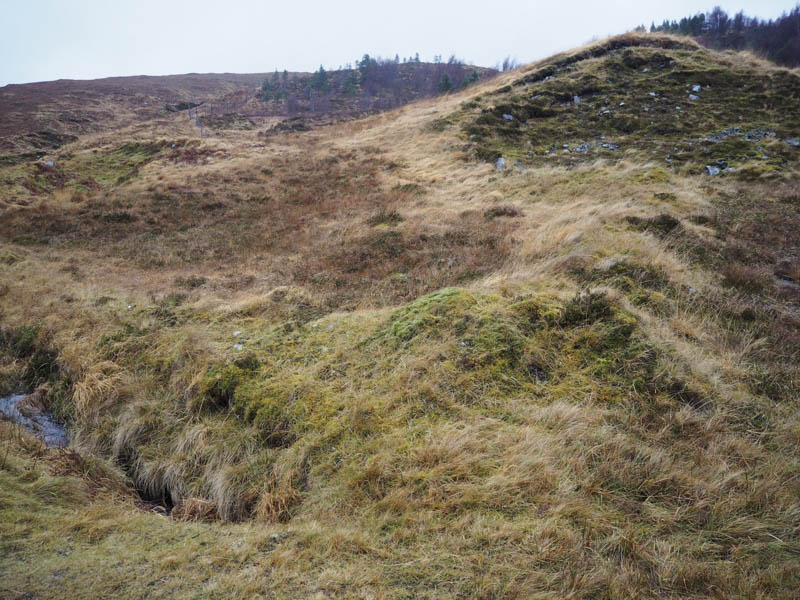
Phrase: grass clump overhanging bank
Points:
(227, 433)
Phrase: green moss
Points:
(116, 166)
(428, 313)
(216, 390)
(537, 310)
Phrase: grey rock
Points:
(785, 283)
(696, 88)
(519, 165)
(693, 97)
(793, 142)
(609, 263)
(500, 164)
(645, 70)
(508, 117)
(712, 170)
(756, 135)
(576, 100)
(49, 163)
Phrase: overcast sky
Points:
(42, 40)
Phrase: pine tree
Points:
(350, 83)
(275, 86)
(266, 90)
(445, 84)
(320, 81)
(473, 77)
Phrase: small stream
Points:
(40, 424)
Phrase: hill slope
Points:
(39, 117)
(370, 360)
(44, 116)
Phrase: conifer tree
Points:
(445, 84)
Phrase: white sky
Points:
(42, 40)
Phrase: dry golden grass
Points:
(423, 404)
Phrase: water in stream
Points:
(40, 424)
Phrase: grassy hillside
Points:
(370, 360)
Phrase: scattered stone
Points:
(785, 283)
(237, 333)
(50, 163)
(238, 346)
(654, 94)
(576, 100)
(693, 98)
(622, 104)
(500, 164)
(645, 70)
(793, 142)
(712, 170)
(756, 135)
(718, 137)
(519, 165)
(696, 88)
(609, 263)
(508, 117)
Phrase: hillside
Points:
(36, 118)
(44, 116)
(535, 339)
